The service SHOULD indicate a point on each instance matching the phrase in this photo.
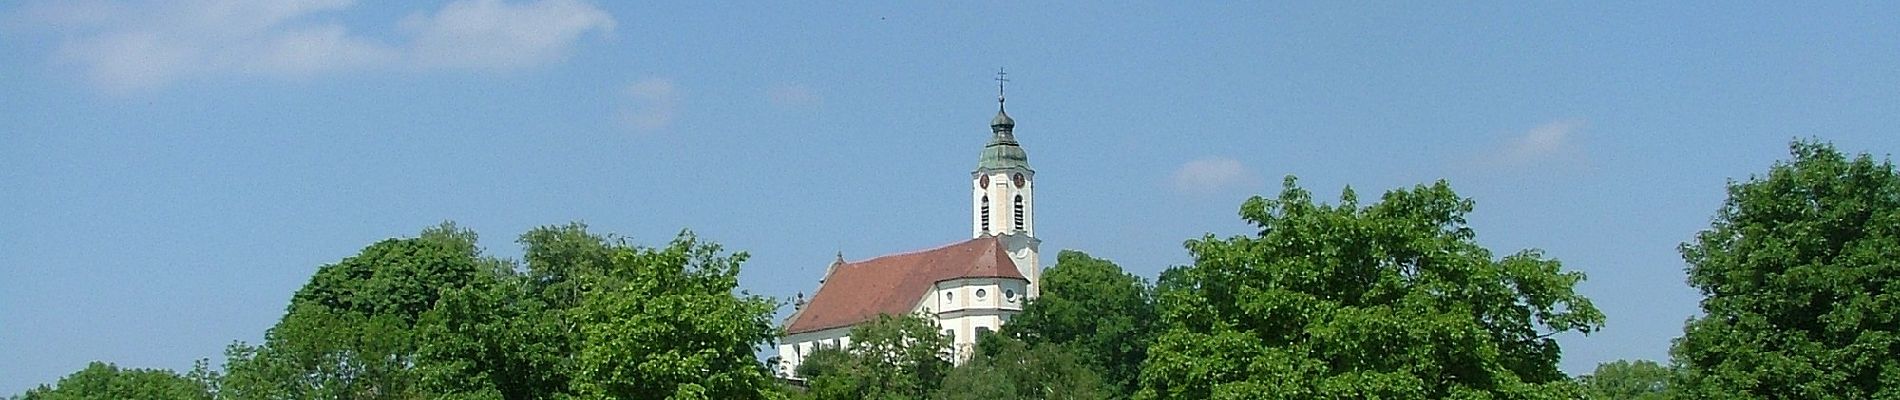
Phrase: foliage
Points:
(1097, 310)
(352, 333)
(664, 323)
(1799, 275)
(431, 317)
(888, 358)
(1627, 380)
(1391, 300)
(823, 361)
(104, 381)
(1006, 368)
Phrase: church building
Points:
(969, 287)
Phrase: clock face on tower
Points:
(1019, 179)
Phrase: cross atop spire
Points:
(1001, 77)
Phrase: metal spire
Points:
(1001, 77)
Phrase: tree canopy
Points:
(353, 332)
(665, 323)
(1007, 368)
(892, 357)
(105, 381)
(1800, 282)
(1627, 380)
(1100, 313)
(590, 317)
(1391, 300)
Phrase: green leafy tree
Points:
(1801, 284)
(1007, 368)
(1391, 300)
(824, 361)
(431, 317)
(1627, 380)
(104, 381)
(352, 332)
(665, 323)
(892, 357)
(518, 340)
(1093, 307)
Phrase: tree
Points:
(1801, 287)
(892, 357)
(1007, 368)
(665, 323)
(1391, 300)
(104, 381)
(1627, 380)
(1101, 313)
(431, 317)
(352, 332)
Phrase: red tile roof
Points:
(855, 292)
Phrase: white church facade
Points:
(969, 287)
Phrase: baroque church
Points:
(969, 288)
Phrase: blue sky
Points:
(174, 170)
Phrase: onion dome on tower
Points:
(1002, 152)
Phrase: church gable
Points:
(855, 292)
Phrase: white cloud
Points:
(649, 105)
(130, 61)
(1213, 174)
(492, 34)
(792, 95)
(1538, 145)
(318, 49)
(126, 47)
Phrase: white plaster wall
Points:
(1002, 193)
(1026, 252)
(961, 312)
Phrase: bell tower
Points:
(1003, 194)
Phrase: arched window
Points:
(1019, 212)
(985, 215)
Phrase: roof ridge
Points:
(992, 239)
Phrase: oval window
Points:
(947, 296)
(1009, 294)
(980, 293)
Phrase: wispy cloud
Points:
(648, 105)
(128, 47)
(1212, 175)
(492, 34)
(1538, 145)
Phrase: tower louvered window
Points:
(985, 215)
(1019, 212)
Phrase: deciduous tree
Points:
(104, 381)
(1800, 282)
(1098, 311)
(1627, 380)
(1007, 368)
(1391, 300)
(892, 357)
(666, 323)
(351, 333)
